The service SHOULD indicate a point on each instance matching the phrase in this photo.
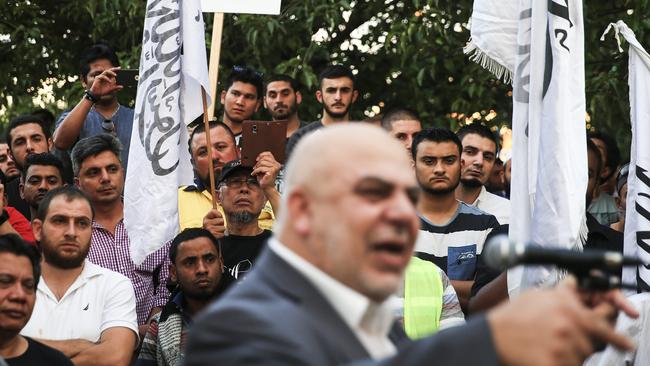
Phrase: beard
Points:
(472, 182)
(53, 257)
(242, 217)
(282, 116)
(201, 295)
(336, 115)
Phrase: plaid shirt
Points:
(112, 252)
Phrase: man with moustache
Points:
(20, 271)
(281, 99)
(195, 201)
(7, 164)
(241, 97)
(100, 175)
(452, 233)
(346, 232)
(26, 135)
(477, 160)
(95, 322)
(42, 173)
(197, 270)
(337, 94)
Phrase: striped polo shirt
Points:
(455, 246)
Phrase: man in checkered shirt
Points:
(99, 173)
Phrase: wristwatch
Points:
(88, 95)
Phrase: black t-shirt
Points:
(240, 252)
(39, 354)
(13, 198)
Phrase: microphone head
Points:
(500, 253)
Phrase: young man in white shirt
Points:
(83, 310)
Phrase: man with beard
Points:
(241, 97)
(99, 110)
(242, 200)
(476, 161)
(7, 164)
(197, 269)
(20, 271)
(43, 172)
(195, 201)
(100, 175)
(452, 233)
(336, 93)
(26, 135)
(83, 310)
(282, 99)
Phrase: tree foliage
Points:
(405, 52)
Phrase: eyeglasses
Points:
(245, 69)
(236, 183)
(108, 126)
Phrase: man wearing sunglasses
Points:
(242, 199)
(99, 110)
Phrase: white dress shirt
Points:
(369, 321)
(495, 205)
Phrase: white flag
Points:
(549, 154)
(637, 216)
(173, 66)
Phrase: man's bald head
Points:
(349, 207)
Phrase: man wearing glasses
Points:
(242, 199)
(98, 111)
(241, 98)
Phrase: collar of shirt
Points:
(96, 225)
(89, 271)
(481, 197)
(355, 309)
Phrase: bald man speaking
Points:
(345, 233)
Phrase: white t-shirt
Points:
(494, 205)
(97, 300)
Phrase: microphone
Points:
(500, 253)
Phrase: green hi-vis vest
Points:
(422, 298)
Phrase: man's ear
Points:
(300, 212)
(299, 98)
(223, 97)
(37, 226)
(319, 96)
(355, 95)
(172, 273)
(266, 106)
(84, 83)
(50, 144)
(76, 181)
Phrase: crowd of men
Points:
(365, 245)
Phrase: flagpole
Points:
(215, 54)
(206, 123)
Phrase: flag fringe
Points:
(479, 56)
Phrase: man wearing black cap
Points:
(242, 199)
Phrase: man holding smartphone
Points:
(99, 110)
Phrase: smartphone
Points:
(128, 78)
(260, 136)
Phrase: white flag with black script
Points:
(549, 155)
(173, 67)
(637, 215)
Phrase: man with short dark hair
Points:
(11, 220)
(26, 135)
(20, 271)
(197, 269)
(242, 199)
(402, 124)
(95, 321)
(100, 175)
(98, 111)
(7, 164)
(241, 97)
(477, 159)
(42, 173)
(496, 183)
(603, 205)
(337, 94)
(281, 99)
(195, 201)
(452, 232)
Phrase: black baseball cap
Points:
(231, 167)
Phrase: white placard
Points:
(270, 7)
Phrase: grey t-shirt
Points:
(123, 120)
